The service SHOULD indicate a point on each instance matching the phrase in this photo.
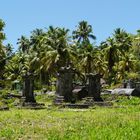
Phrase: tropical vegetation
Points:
(41, 56)
(45, 51)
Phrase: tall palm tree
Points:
(111, 53)
(9, 50)
(24, 44)
(35, 39)
(37, 47)
(57, 52)
(28, 66)
(123, 40)
(115, 49)
(86, 59)
(85, 51)
(100, 63)
(111, 56)
(12, 68)
(83, 33)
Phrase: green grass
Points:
(100, 123)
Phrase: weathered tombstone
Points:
(94, 86)
(28, 88)
(65, 83)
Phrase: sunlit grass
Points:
(101, 123)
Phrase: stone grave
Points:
(65, 91)
(64, 84)
(94, 86)
(28, 99)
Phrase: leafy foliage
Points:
(45, 51)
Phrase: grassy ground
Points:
(100, 123)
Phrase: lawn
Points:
(99, 123)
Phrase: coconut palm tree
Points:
(57, 53)
(85, 50)
(24, 44)
(123, 40)
(100, 63)
(28, 66)
(12, 68)
(37, 47)
(9, 50)
(126, 65)
(111, 53)
(83, 33)
(86, 59)
(35, 39)
(115, 49)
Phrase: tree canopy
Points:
(46, 51)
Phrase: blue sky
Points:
(22, 16)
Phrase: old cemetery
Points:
(58, 86)
(72, 111)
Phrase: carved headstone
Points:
(64, 83)
(94, 86)
(28, 88)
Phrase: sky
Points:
(23, 16)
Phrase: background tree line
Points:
(45, 51)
